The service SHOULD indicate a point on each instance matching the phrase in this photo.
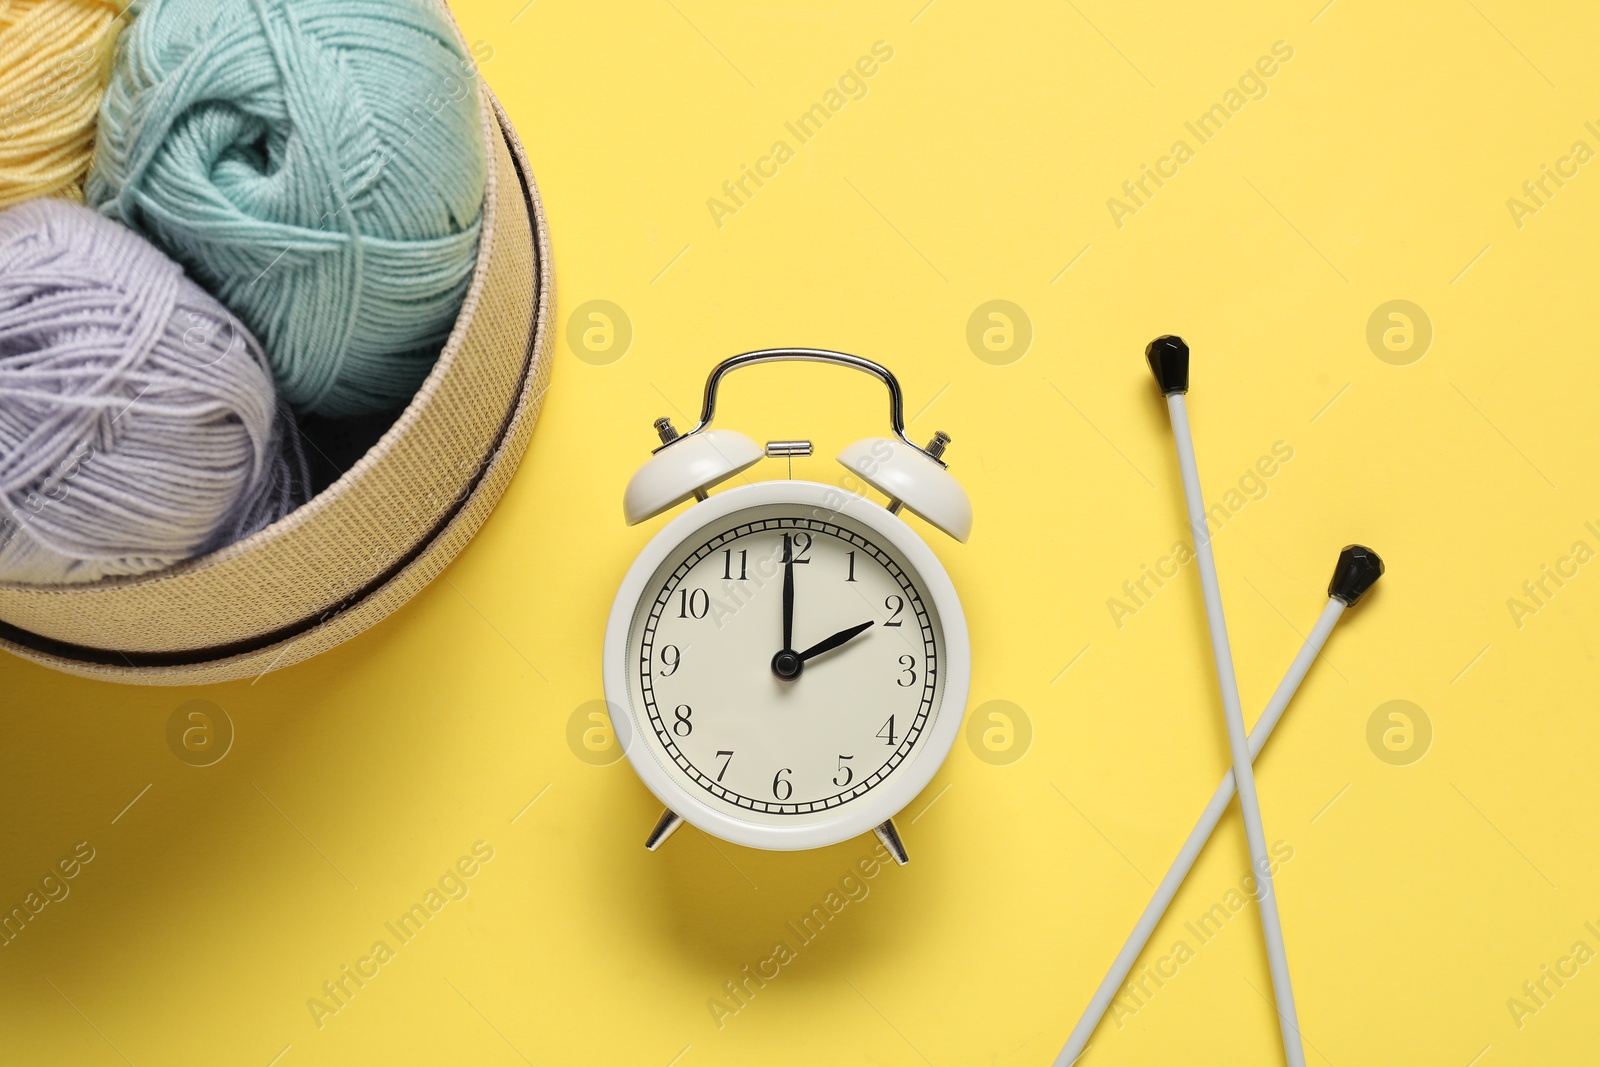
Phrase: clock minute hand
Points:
(828, 644)
(788, 595)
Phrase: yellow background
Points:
(977, 167)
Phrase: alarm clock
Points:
(786, 662)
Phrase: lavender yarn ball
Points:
(138, 421)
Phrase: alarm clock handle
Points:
(897, 417)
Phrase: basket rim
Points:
(69, 655)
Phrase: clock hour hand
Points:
(787, 663)
(828, 644)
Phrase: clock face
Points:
(775, 731)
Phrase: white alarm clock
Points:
(786, 663)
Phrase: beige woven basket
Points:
(374, 538)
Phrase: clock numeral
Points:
(683, 727)
(894, 605)
(844, 769)
(782, 788)
(887, 733)
(693, 605)
(908, 668)
(727, 564)
(727, 758)
(796, 547)
(852, 575)
(670, 657)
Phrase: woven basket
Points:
(374, 538)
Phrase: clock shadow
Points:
(793, 918)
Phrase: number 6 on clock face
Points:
(787, 665)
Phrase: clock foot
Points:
(665, 826)
(891, 841)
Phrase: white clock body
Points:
(711, 727)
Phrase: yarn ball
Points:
(319, 165)
(56, 55)
(138, 421)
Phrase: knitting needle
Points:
(1169, 362)
(1357, 570)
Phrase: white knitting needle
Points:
(1357, 570)
(1169, 361)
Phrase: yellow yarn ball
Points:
(55, 58)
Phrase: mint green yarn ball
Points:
(319, 165)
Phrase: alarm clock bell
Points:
(911, 477)
(685, 467)
(915, 478)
